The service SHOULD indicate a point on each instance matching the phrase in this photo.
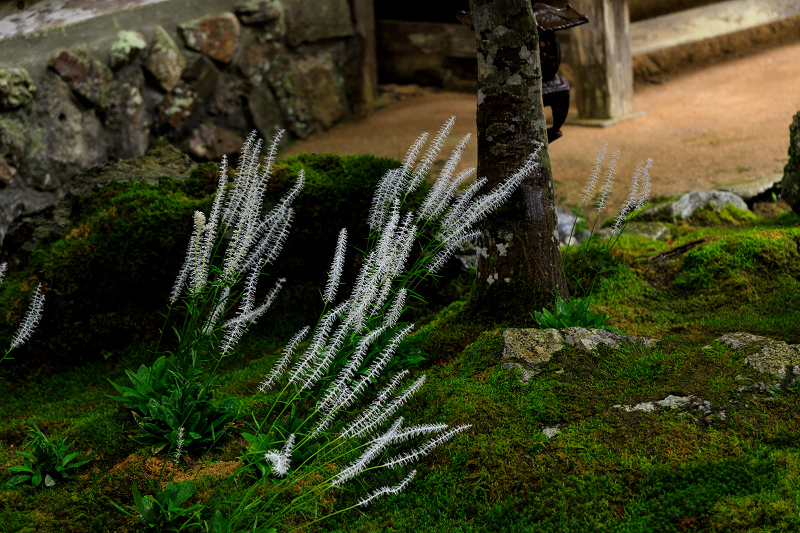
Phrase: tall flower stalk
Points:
(308, 424)
(214, 281)
(29, 322)
(576, 312)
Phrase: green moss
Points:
(485, 352)
(729, 215)
(111, 272)
(713, 262)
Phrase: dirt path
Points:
(726, 123)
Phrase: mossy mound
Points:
(108, 277)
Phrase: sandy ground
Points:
(726, 123)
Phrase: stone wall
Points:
(202, 84)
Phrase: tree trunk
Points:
(519, 264)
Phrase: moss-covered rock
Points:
(108, 276)
(109, 271)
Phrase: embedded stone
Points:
(165, 62)
(86, 76)
(201, 74)
(691, 202)
(255, 58)
(126, 121)
(530, 350)
(211, 142)
(16, 88)
(307, 89)
(177, 107)
(774, 357)
(64, 138)
(215, 35)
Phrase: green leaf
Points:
(16, 480)
(21, 468)
(137, 499)
(182, 491)
(65, 461)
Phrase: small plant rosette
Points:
(49, 461)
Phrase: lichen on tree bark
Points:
(520, 239)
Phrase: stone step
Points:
(707, 22)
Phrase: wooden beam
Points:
(707, 22)
(364, 17)
(429, 38)
(601, 60)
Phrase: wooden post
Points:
(601, 60)
(364, 16)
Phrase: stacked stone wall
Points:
(201, 86)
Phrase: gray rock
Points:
(689, 203)
(85, 75)
(176, 109)
(165, 62)
(530, 350)
(125, 119)
(259, 13)
(226, 106)
(64, 139)
(210, 143)
(201, 74)
(790, 184)
(309, 89)
(750, 190)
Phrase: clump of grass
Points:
(576, 312)
(353, 342)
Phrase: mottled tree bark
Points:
(520, 240)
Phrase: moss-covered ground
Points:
(608, 470)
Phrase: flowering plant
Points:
(31, 319)
(352, 343)
(576, 312)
